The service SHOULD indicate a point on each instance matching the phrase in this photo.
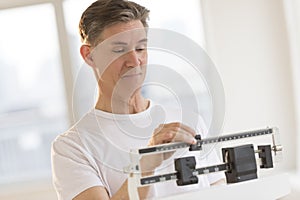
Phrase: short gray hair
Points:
(104, 13)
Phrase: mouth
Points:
(131, 75)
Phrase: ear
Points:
(85, 51)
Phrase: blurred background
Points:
(254, 44)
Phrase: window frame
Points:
(65, 57)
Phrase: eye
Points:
(118, 49)
(141, 47)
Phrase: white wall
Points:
(249, 42)
(292, 11)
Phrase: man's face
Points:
(121, 58)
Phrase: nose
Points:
(132, 59)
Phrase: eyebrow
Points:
(124, 43)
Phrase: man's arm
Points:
(219, 182)
(100, 193)
(93, 193)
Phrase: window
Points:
(181, 16)
(33, 107)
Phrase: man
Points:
(88, 159)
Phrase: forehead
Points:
(133, 30)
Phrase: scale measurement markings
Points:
(174, 176)
(179, 145)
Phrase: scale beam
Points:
(200, 142)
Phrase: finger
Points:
(181, 126)
(163, 129)
(165, 136)
(173, 134)
(160, 128)
(188, 129)
(183, 136)
(166, 133)
(173, 124)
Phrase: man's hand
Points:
(166, 133)
(172, 132)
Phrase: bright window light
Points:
(33, 107)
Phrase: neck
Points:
(135, 104)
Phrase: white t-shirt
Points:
(96, 149)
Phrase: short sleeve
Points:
(72, 169)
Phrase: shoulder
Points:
(66, 145)
(71, 139)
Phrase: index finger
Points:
(182, 126)
(188, 129)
